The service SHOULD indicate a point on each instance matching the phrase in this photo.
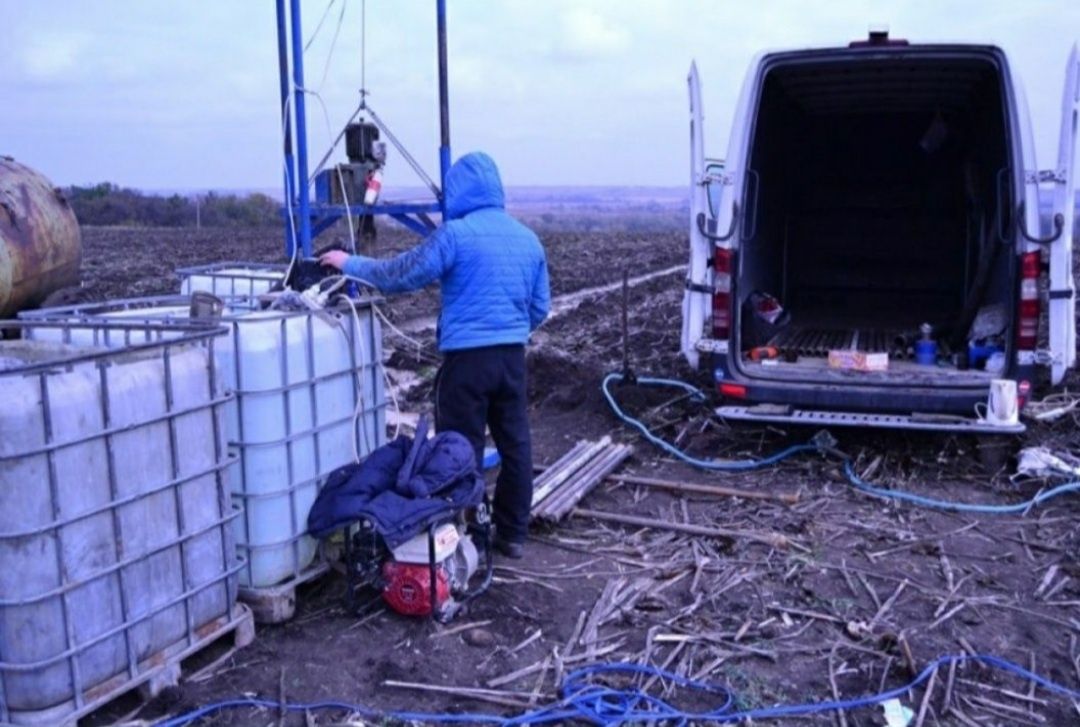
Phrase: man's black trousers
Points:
(486, 386)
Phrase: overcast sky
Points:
(184, 95)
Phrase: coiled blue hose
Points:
(598, 704)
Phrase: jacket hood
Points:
(472, 183)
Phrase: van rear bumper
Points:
(783, 414)
(866, 398)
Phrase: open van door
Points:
(1062, 324)
(697, 298)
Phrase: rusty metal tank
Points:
(40, 244)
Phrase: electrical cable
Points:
(585, 699)
(358, 411)
(394, 329)
(363, 51)
(319, 25)
(333, 45)
(1052, 407)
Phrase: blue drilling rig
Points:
(347, 189)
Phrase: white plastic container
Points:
(309, 397)
(116, 535)
(231, 279)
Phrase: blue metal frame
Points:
(305, 219)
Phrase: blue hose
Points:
(1018, 508)
(698, 395)
(849, 469)
(597, 704)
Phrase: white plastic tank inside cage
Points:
(231, 279)
(309, 398)
(116, 530)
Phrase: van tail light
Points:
(1027, 319)
(733, 391)
(722, 266)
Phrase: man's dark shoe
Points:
(510, 549)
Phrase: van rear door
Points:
(1062, 324)
(697, 297)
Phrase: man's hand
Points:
(334, 259)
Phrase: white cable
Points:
(358, 411)
(393, 329)
(348, 212)
(311, 180)
(289, 202)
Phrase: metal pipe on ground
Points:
(560, 503)
(786, 498)
(567, 470)
(544, 473)
(551, 504)
(775, 540)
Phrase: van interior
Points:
(876, 201)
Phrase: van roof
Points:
(884, 51)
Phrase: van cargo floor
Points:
(804, 352)
(817, 342)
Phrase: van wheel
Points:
(994, 452)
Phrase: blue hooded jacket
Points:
(492, 268)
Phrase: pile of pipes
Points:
(574, 475)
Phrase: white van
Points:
(870, 252)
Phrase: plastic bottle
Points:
(926, 347)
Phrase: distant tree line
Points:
(109, 204)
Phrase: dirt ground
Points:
(865, 594)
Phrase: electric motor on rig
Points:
(359, 180)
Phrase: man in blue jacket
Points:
(494, 280)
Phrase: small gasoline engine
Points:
(427, 575)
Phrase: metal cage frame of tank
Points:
(94, 311)
(219, 272)
(162, 339)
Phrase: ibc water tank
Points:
(231, 279)
(40, 243)
(309, 398)
(116, 545)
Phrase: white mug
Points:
(1001, 404)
